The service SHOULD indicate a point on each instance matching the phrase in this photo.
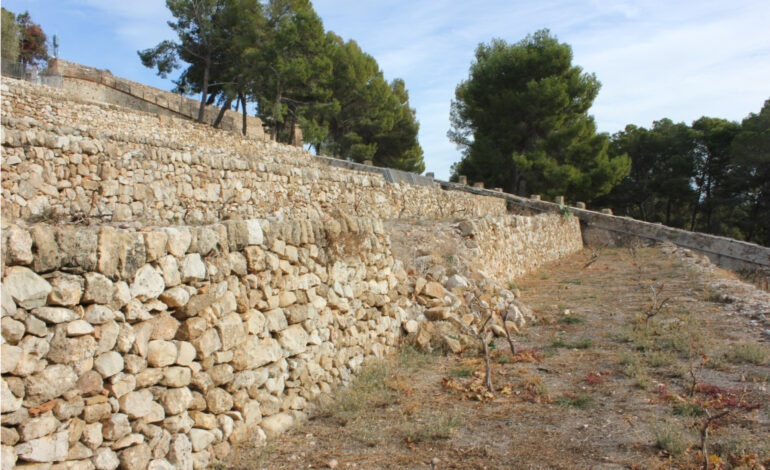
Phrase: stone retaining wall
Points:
(163, 347)
(131, 340)
(100, 85)
(68, 159)
(511, 246)
(169, 345)
(600, 229)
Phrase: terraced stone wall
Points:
(65, 159)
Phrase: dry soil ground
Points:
(591, 385)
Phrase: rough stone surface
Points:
(25, 287)
(212, 329)
(148, 283)
(53, 448)
(109, 364)
(135, 457)
(137, 404)
(161, 353)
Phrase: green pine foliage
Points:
(712, 176)
(10, 37)
(521, 119)
(277, 55)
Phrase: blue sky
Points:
(655, 59)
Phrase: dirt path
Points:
(590, 386)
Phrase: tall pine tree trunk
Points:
(242, 98)
(221, 114)
(204, 89)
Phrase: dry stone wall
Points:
(63, 158)
(163, 347)
(168, 345)
(170, 290)
(100, 85)
(510, 246)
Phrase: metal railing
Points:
(41, 76)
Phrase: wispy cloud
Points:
(655, 59)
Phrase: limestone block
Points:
(13, 330)
(109, 363)
(120, 254)
(161, 353)
(53, 448)
(36, 326)
(8, 401)
(79, 328)
(96, 412)
(254, 353)
(165, 327)
(116, 427)
(98, 289)
(19, 248)
(204, 420)
(169, 266)
(176, 377)
(176, 400)
(207, 343)
(127, 441)
(37, 427)
(201, 439)
(121, 384)
(99, 314)
(47, 254)
(193, 268)
(9, 357)
(136, 457)
(160, 464)
(77, 452)
(108, 336)
(276, 320)
(148, 283)
(179, 240)
(180, 452)
(105, 459)
(231, 331)
(25, 287)
(186, 353)
(137, 404)
(48, 384)
(78, 247)
(293, 339)
(55, 314)
(277, 424)
(175, 297)
(435, 290)
(67, 290)
(218, 401)
(92, 435)
(155, 244)
(90, 383)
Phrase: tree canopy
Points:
(23, 40)
(10, 37)
(712, 176)
(277, 55)
(521, 119)
(366, 118)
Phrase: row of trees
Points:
(276, 55)
(521, 120)
(22, 39)
(712, 176)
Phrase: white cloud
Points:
(140, 23)
(655, 59)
